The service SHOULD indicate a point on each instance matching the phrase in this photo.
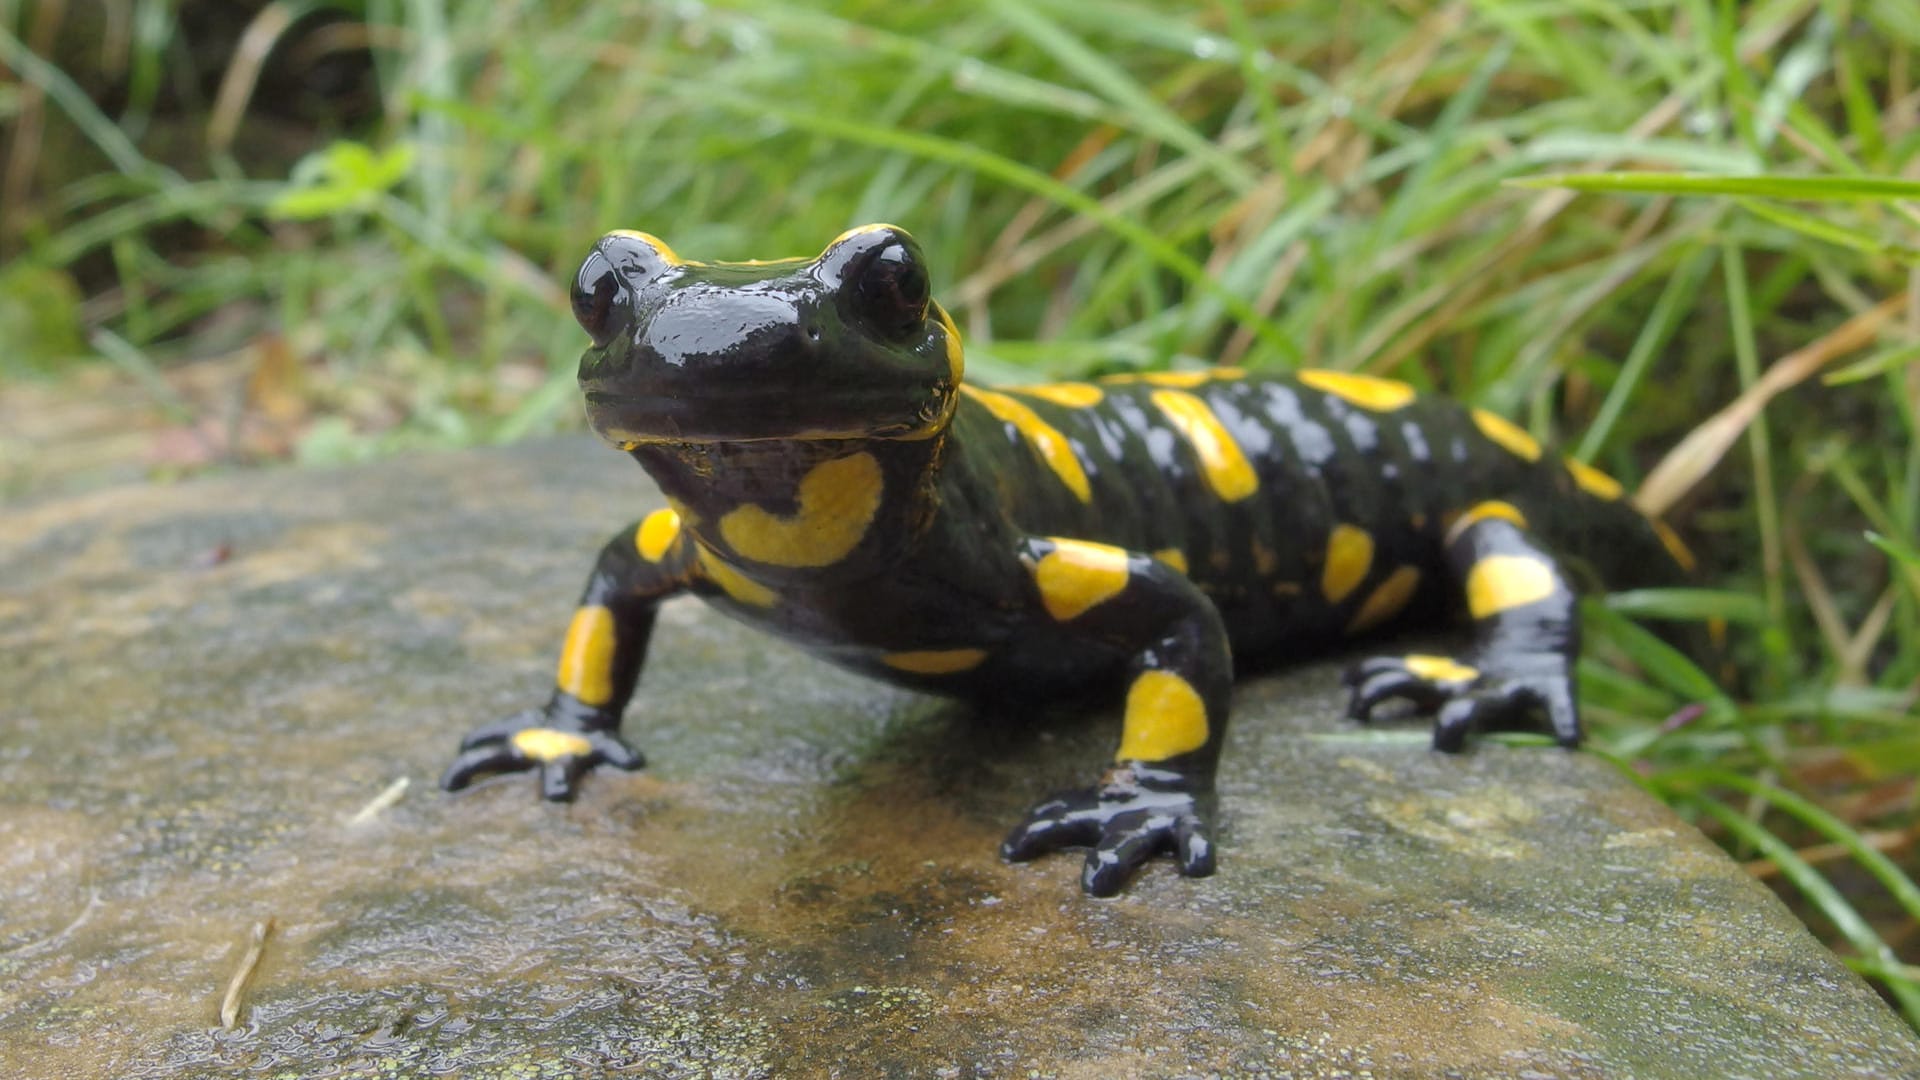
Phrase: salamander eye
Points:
(892, 287)
(620, 263)
(595, 288)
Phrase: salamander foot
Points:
(1135, 812)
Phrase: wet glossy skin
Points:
(832, 480)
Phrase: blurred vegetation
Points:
(1677, 236)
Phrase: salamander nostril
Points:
(595, 288)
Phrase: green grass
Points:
(1629, 224)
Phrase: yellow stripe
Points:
(1675, 546)
(658, 245)
(1046, 440)
(1492, 508)
(1349, 557)
(1226, 468)
(837, 500)
(1366, 391)
(733, 582)
(1593, 481)
(586, 657)
(1516, 441)
(1173, 557)
(656, 534)
(1500, 583)
(1165, 718)
(1386, 600)
(1077, 575)
(935, 661)
(1073, 395)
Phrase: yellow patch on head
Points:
(546, 744)
(1593, 481)
(1165, 718)
(659, 246)
(935, 661)
(1225, 466)
(1046, 440)
(1077, 575)
(1386, 600)
(1507, 434)
(1675, 546)
(1173, 557)
(732, 582)
(1440, 669)
(1500, 583)
(837, 500)
(1349, 558)
(1482, 511)
(586, 657)
(859, 230)
(1366, 391)
(656, 534)
(956, 354)
(1072, 395)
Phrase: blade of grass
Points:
(1805, 188)
(1111, 81)
(1026, 178)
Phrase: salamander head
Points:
(847, 345)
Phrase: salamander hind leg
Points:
(1157, 796)
(1519, 671)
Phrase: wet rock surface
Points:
(201, 685)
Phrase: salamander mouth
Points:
(629, 420)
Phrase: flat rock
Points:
(200, 685)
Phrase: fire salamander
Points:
(831, 478)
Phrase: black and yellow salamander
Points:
(832, 479)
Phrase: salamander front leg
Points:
(1527, 637)
(1158, 794)
(579, 726)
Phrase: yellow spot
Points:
(656, 534)
(956, 355)
(658, 245)
(1439, 669)
(1595, 482)
(586, 658)
(1073, 395)
(1386, 600)
(1675, 546)
(1482, 511)
(1173, 557)
(1516, 441)
(1500, 583)
(546, 744)
(935, 661)
(1076, 575)
(1046, 440)
(837, 500)
(1165, 718)
(734, 583)
(1227, 470)
(1366, 391)
(1349, 557)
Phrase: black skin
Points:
(1227, 541)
